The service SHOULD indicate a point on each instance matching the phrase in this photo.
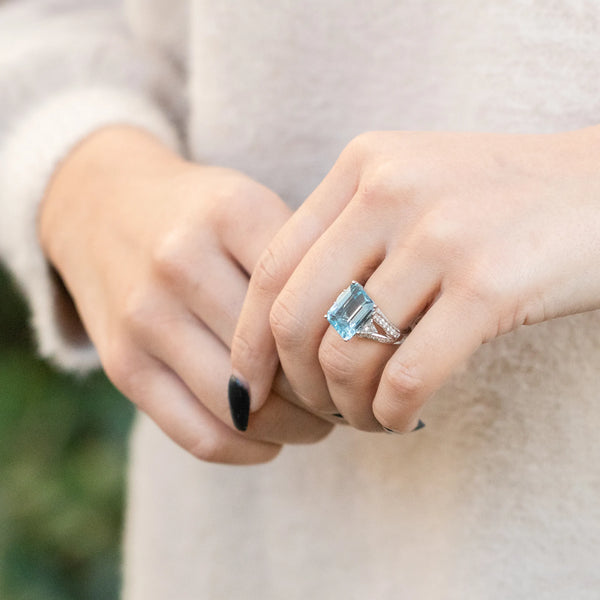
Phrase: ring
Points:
(355, 313)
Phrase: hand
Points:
(156, 252)
(487, 232)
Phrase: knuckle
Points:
(171, 261)
(268, 274)
(208, 448)
(234, 193)
(382, 186)
(237, 188)
(289, 331)
(318, 433)
(486, 285)
(121, 365)
(358, 149)
(372, 143)
(480, 286)
(364, 141)
(484, 296)
(212, 448)
(338, 364)
(243, 354)
(442, 231)
(372, 194)
(313, 403)
(406, 385)
(138, 313)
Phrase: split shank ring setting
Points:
(354, 313)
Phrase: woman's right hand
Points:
(156, 253)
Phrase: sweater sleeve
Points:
(67, 68)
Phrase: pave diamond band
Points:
(355, 314)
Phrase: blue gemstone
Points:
(350, 311)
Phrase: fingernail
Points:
(239, 403)
(338, 415)
(420, 425)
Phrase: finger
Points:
(202, 362)
(205, 277)
(253, 352)
(215, 294)
(247, 236)
(401, 287)
(169, 403)
(447, 335)
(297, 315)
(213, 289)
(218, 305)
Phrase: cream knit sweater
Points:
(499, 497)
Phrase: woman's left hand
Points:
(486, 232)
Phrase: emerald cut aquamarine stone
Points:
(350, 311)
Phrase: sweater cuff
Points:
(30, 153)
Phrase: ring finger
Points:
(402, 287)
(335, 259)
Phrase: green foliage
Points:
(62, 455)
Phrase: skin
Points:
(155, 252)
(487, 232)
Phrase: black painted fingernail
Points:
(239, 403)
(338, 415)
(420, 425)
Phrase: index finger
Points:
(253, 352)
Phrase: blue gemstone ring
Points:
(355, 314)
